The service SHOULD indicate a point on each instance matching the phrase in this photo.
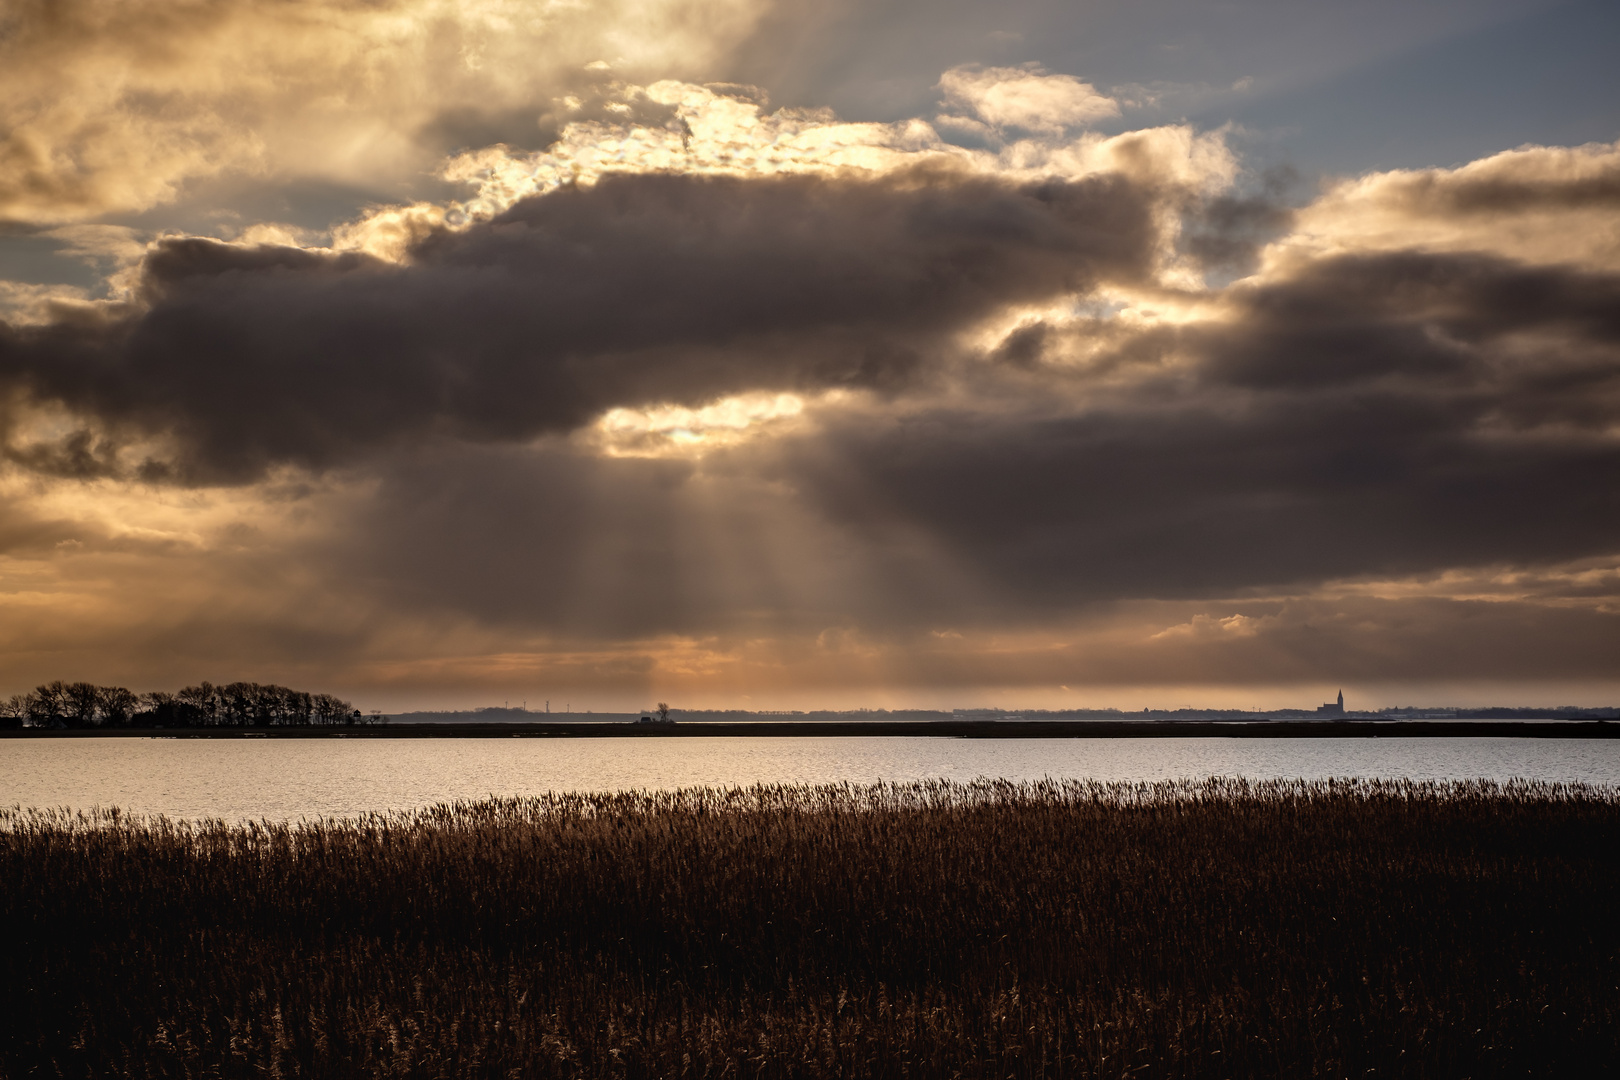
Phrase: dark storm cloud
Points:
(1431, 320)
(1376, 415)
(1382, 415)
(1313, 458)
(639, 288)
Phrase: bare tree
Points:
(331, 710)
(200, 704)
(663, 712)
(81, 699)
(14, 712)
(47, 705)
(115, 705)
(239, 703)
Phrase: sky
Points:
(745, 354)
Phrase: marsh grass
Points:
(1219, 929)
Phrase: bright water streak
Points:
(287, 779)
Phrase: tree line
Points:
(239, 704)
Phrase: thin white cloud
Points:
(1026, 98)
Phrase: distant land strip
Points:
(960, 729)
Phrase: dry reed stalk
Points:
(1213, 929)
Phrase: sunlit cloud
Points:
(710, 133)
(1540, 205)
(114, 106)
(674, 430)
(1026, 98)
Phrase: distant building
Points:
(1332, 708)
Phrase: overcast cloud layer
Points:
(691, 396)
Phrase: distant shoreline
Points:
(958, 729)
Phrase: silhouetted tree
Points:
(330, 710)
(81, 699)
(14, 711)
(82, 704)
(115, 706)
(161, 709)
(239, 704)
(200, 705)
(48, 705)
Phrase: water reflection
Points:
(288, 779)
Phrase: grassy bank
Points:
(1219, 930)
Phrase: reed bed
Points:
(1218, 929)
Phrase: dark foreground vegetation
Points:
(83, 705)
(1213, 930)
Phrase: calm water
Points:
(288, 779)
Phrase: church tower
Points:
(1333, 708)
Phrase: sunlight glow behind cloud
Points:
(673, 430)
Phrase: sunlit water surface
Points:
(288, 779)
